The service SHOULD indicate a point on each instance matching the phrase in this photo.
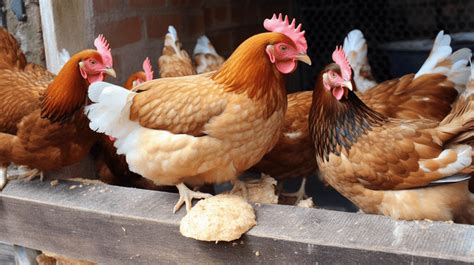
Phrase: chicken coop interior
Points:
(291, 201)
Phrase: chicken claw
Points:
(3, 177)
(26, 174)
(240, 185)
(300, 194)
(186, 196)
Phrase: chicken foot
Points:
(26, 174)
(186, 196)
(300, 194)
(240, 185)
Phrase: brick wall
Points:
(135, 28)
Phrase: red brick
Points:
(194, 25)
(222, 41)
(157, 25)
(106, 5)
(146, 3)
(121, 32)
(184, 3)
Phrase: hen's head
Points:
(93, 64)
(336, 77)
(285, 52)
(137, 78)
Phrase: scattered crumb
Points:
(450, 222)
(54, 183)
(123, 228)
(241, 242)
(73, 187)
(308, 203)
(257, 253)
(218, 218)
(428, 220)
(80, 186)
(235, 244)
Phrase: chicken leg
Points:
(240, 185)
(299, 194)
(25, 173)
(186, 196)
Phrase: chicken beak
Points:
(110, 71)
(348, 84)
(303, 58)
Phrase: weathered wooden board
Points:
(7, 256)
(115, 225)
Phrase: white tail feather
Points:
(172, 40)
(203, 45)
(355, 47)
(110, 109)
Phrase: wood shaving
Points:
(54, 183)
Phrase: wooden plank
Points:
(115, 225)
(7, 256)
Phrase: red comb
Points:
(148, 69)
(339, 57)
(102, 47)
(277, 24)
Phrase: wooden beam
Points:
(115, 225)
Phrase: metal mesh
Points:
(328, 21)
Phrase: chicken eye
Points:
(333, 75)
(93, 62)
(283, 48)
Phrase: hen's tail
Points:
(441, 60)
(172, 40)
(11, 56)
(458, 126)
(204, 46)
(109, 113)
(355, 47)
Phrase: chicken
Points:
(410, 169)
(426, 94)
(12, 56)
(205, 56)
(355, 47)
(141, 76)
(174, 61)
(42, 125)
(113, 169)
(205, 128)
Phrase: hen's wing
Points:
(429, 96)
(21, 93)
(11, 56)
(403, 155)
(179, 105)
(174, 61)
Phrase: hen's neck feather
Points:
(66, 94)
(249, 70)
(337, 125)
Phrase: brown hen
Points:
(42, 125)
(428, 94)
(174, 61)
(204, 128)
(411, 169)
(12, 56)
(205, 56)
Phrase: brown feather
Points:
(11, 56)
